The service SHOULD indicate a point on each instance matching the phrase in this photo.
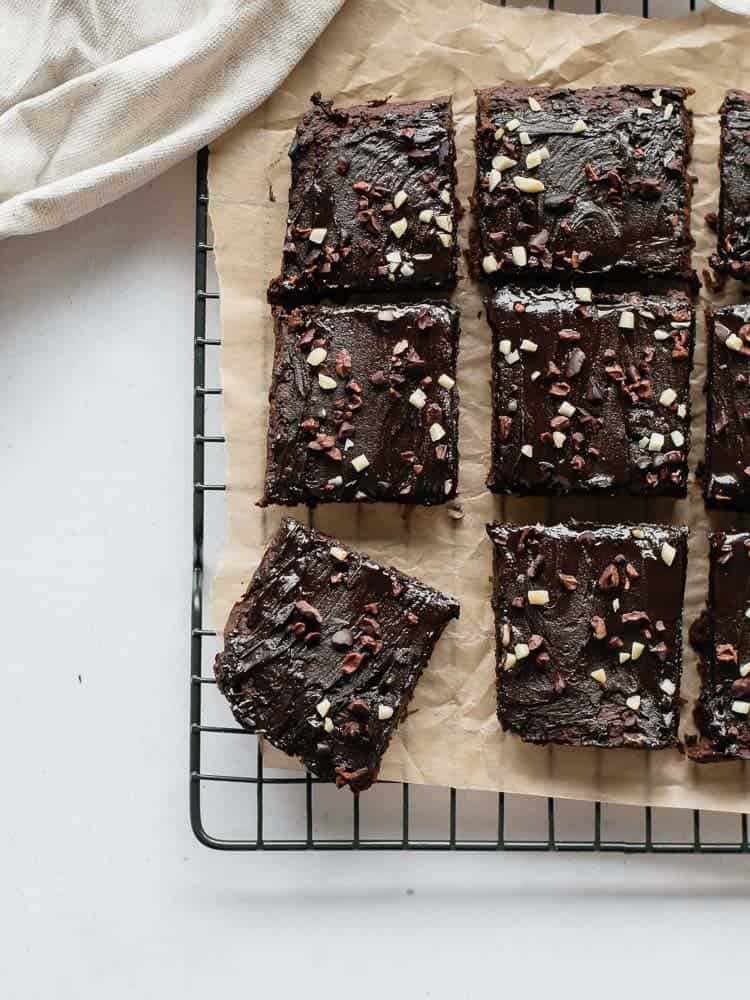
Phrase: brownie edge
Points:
(588, 630)
(323, 652)
(732, 255)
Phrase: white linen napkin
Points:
(100, 96)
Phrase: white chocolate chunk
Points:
(668, 553)
(328, 725)
(623, 657)
(741, 707)
(446, 381)
(512, 125)
(566, 409)
(386, 315)
(600, 676)
(510, 661)
(489, 263)
(317, 356)
(661, 335)
(524, 138)
(360, 463)
(317, 235)
(682, 411)
(323, 707)
(656, 441)
(445, 196)
(426, 215)
(529, 345)
(668, 397)
(558, 439)
(493, 179)
(506, 635)
(400, 346)
(580, 126)
(527, 451)
(335, 551)
(385, 712)
(636, 650)
(534, 104)
(418, 398)
(733, 342)
(633, 702)
(529, 185)
(627, 320)
(583, 294)
(399, 227)
(446, 239)
(533, 160)
(407, 269)
(445, 222)
(538, 597)
(437, 432)
(325, 381)
(519, 256)
(502, 163)
(521, 650)
(678, 438)
(399, 198)
(668, 686)
(744, 669)
(504, 347)
(513, 357)
(668, 111)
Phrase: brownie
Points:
(726, 480)
(722, 638)
(733, 220)
(372, 201)
(324, 650)
(588, 625)
(590, 392)
(583, 181)
(363, 405)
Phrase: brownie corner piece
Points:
(732, 255)
(590, 391)
(576, 181)
(588, 628)
(363, 405)
(726, 482)
(722, 712)
(372, 203)
(323, 652)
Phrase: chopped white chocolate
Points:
(317, 235)
(360, 463)
(636, 532)
(407, 269)
(422, 256)
(535, 375)
(580, 126)
(534, 159)
(566, 409)
(668, 111)
(538, 597)
(583, 294)
(741, 707)
(348, 444)
(643, 442)
(656, 441)
(446, 239)
(328, 725)
(529, 345)
(682, 411)
(426, 215)
(668, 716)
(336, 481)
(633, 702)
(399, 198)
(385, 712)
(325, 381)
(446, 381)
(527, 450)
(502, 163)
(524, 138)
(641, 112)
(519, 256)
(623, 657)
(734, 343)
(678, 438)
(521, 650)
(668, 686)
(393, 257)
(437, 432)
(400, 346)
(627, 320)
(418, 398)
(489, 263)
(506, 635)
(534, 104)
(661, 335)
(386, 315)
(513, 357)
(323, 707)
(336, 552)
(656, 98)
(744, 669)
(504, 347)
(510, 661)
(445, 196)
(445, 222)
(317, 356)
(493, 179)
(636, 650)
(399, 227)
(600, 676)
(668, 397)
(668, 553)
(512, 125)
(529, 185)
(616, 604)
(558, 439)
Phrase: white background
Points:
(104, 893)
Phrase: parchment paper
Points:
(418, 49)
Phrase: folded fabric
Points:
(100, 96)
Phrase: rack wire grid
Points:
(237, 804)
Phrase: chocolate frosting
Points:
(379, 362)
(616, 194)
(324, 650)
(607, 590)
(350, 169)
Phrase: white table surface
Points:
(104, 893)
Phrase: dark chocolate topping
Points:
(616, 192)
(727, 475)
(722, 638)
(733, 220)
(380, 397)
(372, 201)
(575, 600)
(288, 673)
(629, 427)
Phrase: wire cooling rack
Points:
(237, 804)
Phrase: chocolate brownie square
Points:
(722, 638)
(583, 181)
(364, 405)
(733, 220)
(324, 650)
(588, 624)
(590, 392)
(726, 480)
(372, 202)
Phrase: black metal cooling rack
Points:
(311, 819)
